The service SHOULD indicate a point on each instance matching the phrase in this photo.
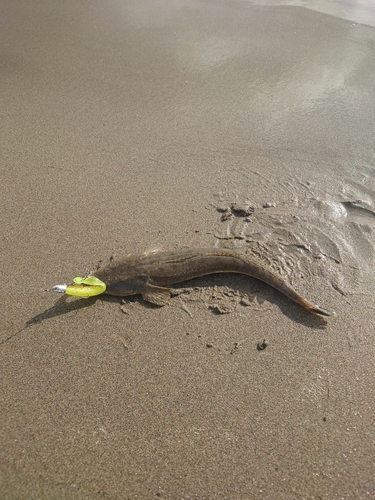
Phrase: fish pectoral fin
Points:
(157, 295)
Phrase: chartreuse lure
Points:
(83, 287)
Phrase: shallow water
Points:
(358, 11)
(308, 228)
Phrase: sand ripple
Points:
(319, 235)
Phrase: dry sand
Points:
(127, 124)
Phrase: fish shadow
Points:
(253, 288)
(244, 285)
(61, 306)
(248, 287)
(66, 304)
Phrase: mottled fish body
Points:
(150, 273)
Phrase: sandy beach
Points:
(133, 124)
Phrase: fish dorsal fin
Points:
(154, 249)
(157, 295)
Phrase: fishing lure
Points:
(83, 287)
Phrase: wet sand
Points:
(127, 125)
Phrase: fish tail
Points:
(315, 308)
